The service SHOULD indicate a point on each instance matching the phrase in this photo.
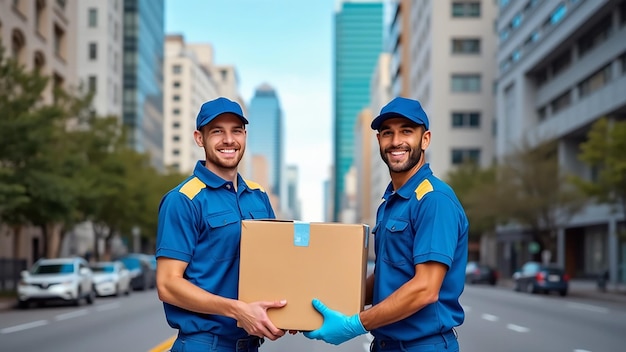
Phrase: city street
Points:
(498, 319)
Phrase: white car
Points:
(111, 278)
(61, 279)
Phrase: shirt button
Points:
(228, 186)
(393, 227)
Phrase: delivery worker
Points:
(421, 248)
(198, 242)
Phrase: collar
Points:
(408, 189)
(212, 180)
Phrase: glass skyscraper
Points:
(144, 35)
(266, 136)
(358, 43)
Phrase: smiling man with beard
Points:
(198, 242)
(421, 248)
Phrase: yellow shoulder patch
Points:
(254, 185)
(192, 187)
(423, 188)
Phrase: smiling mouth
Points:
(227, 151)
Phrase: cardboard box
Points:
(299, 261)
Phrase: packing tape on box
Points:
(301, 233)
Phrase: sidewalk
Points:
(588, 289)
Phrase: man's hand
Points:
(337, 328)
(253, 318)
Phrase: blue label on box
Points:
(301, 233)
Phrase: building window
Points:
(595, 36)
(93, 51)
(594, 82)
(561, 63)
(560, 103)
(465, 82)
(622, 13)
(175, 152)
(177, 69)
(93, 18)
(176, 97)
(176, 84)
(465, 119)
(59, 41)
(461, 156)
(466, 46)
(466, 9)
(541, 113)
(92, 83)
(176, 138)
(176, 111)
(40, 17)
(558, 14)
(176, 125)
(61, 3)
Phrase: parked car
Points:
(536, 277)
(476, 273)
(142, 270)
(111, 278)
(61, 279)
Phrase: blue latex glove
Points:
(337, 328)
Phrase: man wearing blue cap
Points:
(198, 242)
(421, 248)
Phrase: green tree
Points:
(477, 190)
(534, 192)
(605, 152)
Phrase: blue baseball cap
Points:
(213, 108)
(402, 107)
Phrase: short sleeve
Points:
(178, 228)
(436, 229)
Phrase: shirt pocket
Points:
(224, 233)
(259, 214)
(398, 247)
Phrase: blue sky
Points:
(287, 44)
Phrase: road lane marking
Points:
(21, 327)
(165, 345)
(517, 328)
(71, 315)
(588, 307)
(107, 307)
(490, 317)
(578, 350)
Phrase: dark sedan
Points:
(476, 273)
(142, 270)
(535, 277)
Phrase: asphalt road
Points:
(497, 319)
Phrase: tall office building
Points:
(187, 85)
(144, 35)
(293, 206)
(99, 53)
(562, 66)
(450, 48)
(266, 137)
(358, 40)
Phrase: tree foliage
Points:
(61, 164)
(536, 192)
(605, 151)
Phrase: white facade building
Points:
(443, 54)
(187, 85)
(99, 42)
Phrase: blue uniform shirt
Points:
(200, 224)
(423, 221)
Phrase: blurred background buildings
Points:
(492, 75)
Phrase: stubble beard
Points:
(415, 155)
(225, 164)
